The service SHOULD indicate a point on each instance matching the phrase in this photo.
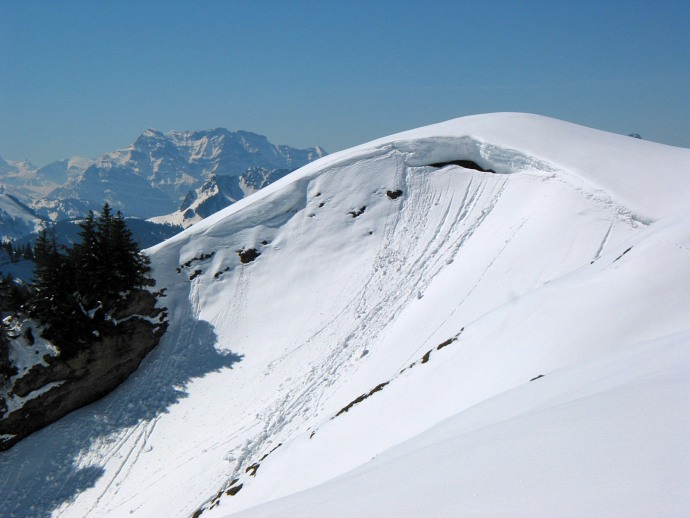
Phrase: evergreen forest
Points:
(78, 291)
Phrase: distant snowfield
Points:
(514, 343)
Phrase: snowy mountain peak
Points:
(15, 167)
(219, 192)
(413, 326)
(153, 175)
(152, 133)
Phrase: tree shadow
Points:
(47, 469)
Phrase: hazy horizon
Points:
(83, 79)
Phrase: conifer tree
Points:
(104, 251)
(76, 293)
(84, 257)
(54, 302)
(49, 285)
(130, 267)
(5, 366)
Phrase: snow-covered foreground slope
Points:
(600, 438)
(376, 358)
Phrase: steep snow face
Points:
(392, 302)
(648, 178)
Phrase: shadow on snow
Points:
(48, 468)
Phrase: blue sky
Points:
(87, 77)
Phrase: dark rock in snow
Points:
(357, 213)
(86, 376)
(248, 255)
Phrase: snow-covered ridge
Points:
(599, 163)
(472, 323)
(643, 175)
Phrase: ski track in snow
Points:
(413, 251)
(431, 253)
(410, 254)
(413, 241)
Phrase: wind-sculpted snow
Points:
(421, 313)
(435, 150)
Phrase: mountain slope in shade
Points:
(486, 315)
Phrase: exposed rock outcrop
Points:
(86, 376)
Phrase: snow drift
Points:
(393, 330)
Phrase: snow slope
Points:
(599, 438)
(16, 217)
(376, 358)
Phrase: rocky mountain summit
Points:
(154, 175)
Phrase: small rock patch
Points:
(234, 490)
(359, 212)
(248, 255)
(361, 398)
(220, 272)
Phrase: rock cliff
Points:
(49, 391)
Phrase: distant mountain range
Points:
(185, 174)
